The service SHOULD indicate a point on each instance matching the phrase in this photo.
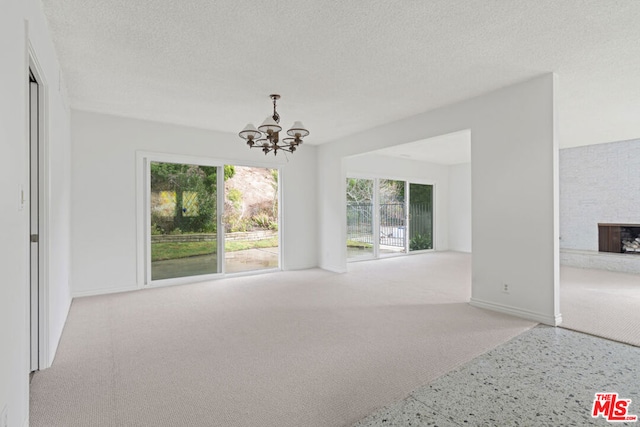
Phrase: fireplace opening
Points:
(619, 238)
(630, 239)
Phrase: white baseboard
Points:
(518, 312)
(52, 345)
(334, 269)
(77, 294)
(294, 267)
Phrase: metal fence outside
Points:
(360, 222)
(421, 219)
(393, 227)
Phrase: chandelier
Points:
(267, 136)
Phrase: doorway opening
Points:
(35, 186)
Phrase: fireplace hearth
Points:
(619, 238)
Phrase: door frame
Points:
(143, 160)
(33, 66)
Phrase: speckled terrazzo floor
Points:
(544, 377)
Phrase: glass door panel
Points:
(420, 217)
(360, 218)
(251, 219)
(183, 208)
(393, 230)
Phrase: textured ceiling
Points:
(346, 66)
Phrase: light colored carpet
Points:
(305, 348)
(602, 303)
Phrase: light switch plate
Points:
(21, 201)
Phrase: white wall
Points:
(514, 175)
(104, 193)
(377, 166)
(460, 207)
(598, 183)
(14, 291)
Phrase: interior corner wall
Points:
(377, 166)
(514, 192)
(460, 207)
(598, 184)
(104, 194)
(14, 175)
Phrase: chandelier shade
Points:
(269, 124)
(250, 132)
(298, 130)
(267, 136)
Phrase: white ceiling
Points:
(347, 66)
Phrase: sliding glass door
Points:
(393, 216)
(183, 211)
(251, 219)
(420, 217)
(360, 218)
(204, 220)
(388, 217)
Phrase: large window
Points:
(386, 217)
(205, 220)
